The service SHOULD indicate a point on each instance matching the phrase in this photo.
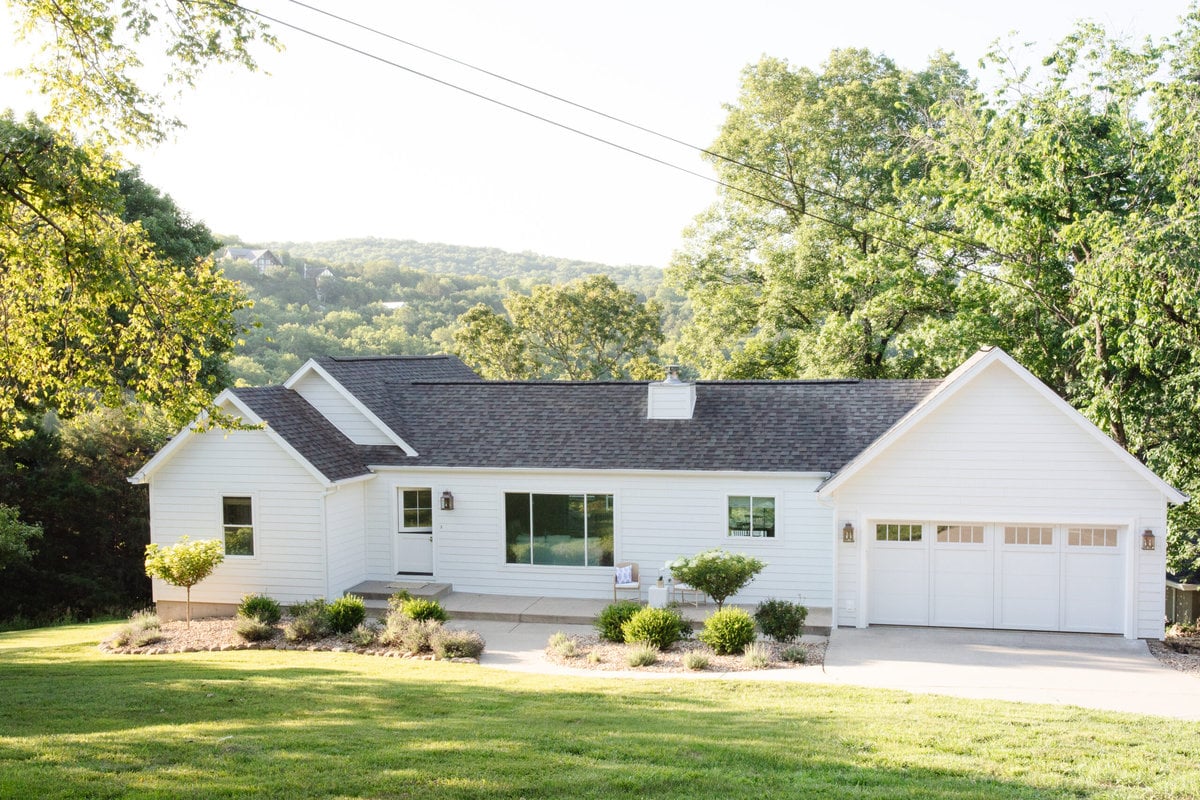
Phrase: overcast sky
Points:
(331, 144)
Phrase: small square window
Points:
(752, 516)
(237, 519)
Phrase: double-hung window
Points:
(752, 516)
(570, 530)
(237, 519)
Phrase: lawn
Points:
(76, 723)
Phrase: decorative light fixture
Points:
(848, 533)
(447, 501)
(1148, 540)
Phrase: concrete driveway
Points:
(1089, 670)
(1093, 671)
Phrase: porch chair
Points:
(625, 578)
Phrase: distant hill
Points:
(490, 262)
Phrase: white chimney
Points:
(671, 399)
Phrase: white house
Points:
(981, 500)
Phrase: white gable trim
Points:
(954, 383)
(226, 398)
(312, 366)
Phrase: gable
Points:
(994, 429)
(341, 412)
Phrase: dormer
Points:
(672, 398)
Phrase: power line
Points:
(915, 252)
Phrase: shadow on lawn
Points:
(315, 725)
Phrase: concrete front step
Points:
(381, 590)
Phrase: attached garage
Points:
(994, 504)
(1024, 577)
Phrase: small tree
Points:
(716, 572)
(184, 564)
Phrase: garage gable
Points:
(993, 429)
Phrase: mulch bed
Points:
(594, 654)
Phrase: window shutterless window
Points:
(751, 516)
(572, 530)
(237, 519)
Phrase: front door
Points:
(414, 534)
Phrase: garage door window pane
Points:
(1092, 537)
(897, 533)
(960, 534)
(1020, 534)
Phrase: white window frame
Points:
(254, 523)
(773, 497)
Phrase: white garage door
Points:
(1025, 577)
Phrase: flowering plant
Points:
(717, 573)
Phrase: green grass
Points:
(76, 723)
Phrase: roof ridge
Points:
(434, 357)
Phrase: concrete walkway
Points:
(1092, 671)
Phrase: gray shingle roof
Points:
(313, 436)
(454, 419)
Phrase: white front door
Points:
(414, 531)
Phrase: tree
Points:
(794, 271)
(91, 60)
(93, 313)
(184, 564)
(590, 329)
(15, 537)
(718, 573)
(1078, 195)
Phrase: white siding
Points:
(324, 397)
(289, 543)
(657, 518)
(345, 530)
(998, 452)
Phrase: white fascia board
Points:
(682, 473)
(225, 398)
(312, 366)
(954, 382)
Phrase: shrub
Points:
(305, 628)
(593, 657)
(452, 643)
(419, 608)
(408, 634)
(794, 654)
(142, 629)
(717, 573)
(364, 634)
(695, 660)
(345, 613)
(396, 601)
(262, 607)
(643, 655)
(613, 617)
(782, 620)
(658, 627)
(309, 608)
(728, 631)
(757, 656)
(253, 628)
(562, 645)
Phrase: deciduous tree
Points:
(184, 564)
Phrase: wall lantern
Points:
(1148, 540)
(447, 501)
(848, 533)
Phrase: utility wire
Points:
(1024, 286)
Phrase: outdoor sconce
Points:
(848, 533)
(1148, 540)
(447, 501)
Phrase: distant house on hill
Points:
(262, 259)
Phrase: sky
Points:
(325, 143)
